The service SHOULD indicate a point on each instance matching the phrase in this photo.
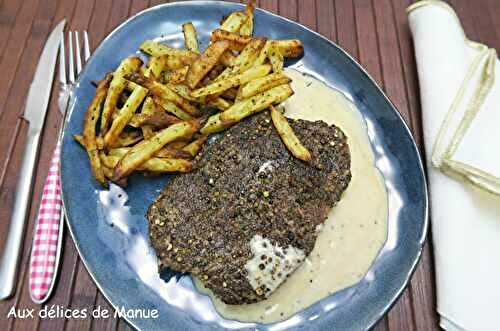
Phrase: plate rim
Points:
(425, 227)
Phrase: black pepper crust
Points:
(203, 221)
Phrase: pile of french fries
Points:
(155, 118)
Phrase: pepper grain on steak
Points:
(250, 213)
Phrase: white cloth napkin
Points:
(465, 217)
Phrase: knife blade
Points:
(39, 93)
(34, 113)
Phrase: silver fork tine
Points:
(62, 62)
(78, 54)
(71, 59)
(86, 46)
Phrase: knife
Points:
(34, 114)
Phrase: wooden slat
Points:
(8, 15)
(119, 13)
(493, 9)
(137, 6)
(367, 41)
(344, 19)
(288, 9)
(462, 10)
(97, 29)
(483, 22)
(15, 47)
(123, 326)
(307, 13)
(156, 2)
(325, 11)
(8, 67)
(270, 5)
(83, 297)
(104, 324)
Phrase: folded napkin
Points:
(460, 95)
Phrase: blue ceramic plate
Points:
(113, 239)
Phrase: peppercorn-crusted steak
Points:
(250, 213)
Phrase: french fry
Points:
(100, 142)
(236, 41)
(261, 84)
(163, 92)
(194, 147)
(205, 62)
(275, 57)
(130, 86)
(246, 28)
(166, 165)
(124, 116)
(234, 22)
(178, 76)
(178, 144)
(245, 108)
(143, 151)
(245, 60)
(256, 103)
(89, 129)
(156, 120)
(154, 48)
(155, 66)
(129, 138)
(178, 62)
(118, 152)
(220, 103)
(190, 37)
(183, 91)
(288, 136)
(223, 85)
(173, 153)
(290, 48)
(79, 139)
(165, 152)
(172, 108)
(287, 48)
(116, 87)
(155, 164)
(107, 171)
(262, 57)
(147, 110)
(227, 58)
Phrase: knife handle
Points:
(46, 248)
(12, 250)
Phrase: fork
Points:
(48, 232)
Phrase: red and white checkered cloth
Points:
(44, 253)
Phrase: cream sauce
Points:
(356, 229)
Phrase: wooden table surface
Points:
(373, 31)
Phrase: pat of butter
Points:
(270, 264)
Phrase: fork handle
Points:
(47, 237)
(12, 249)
